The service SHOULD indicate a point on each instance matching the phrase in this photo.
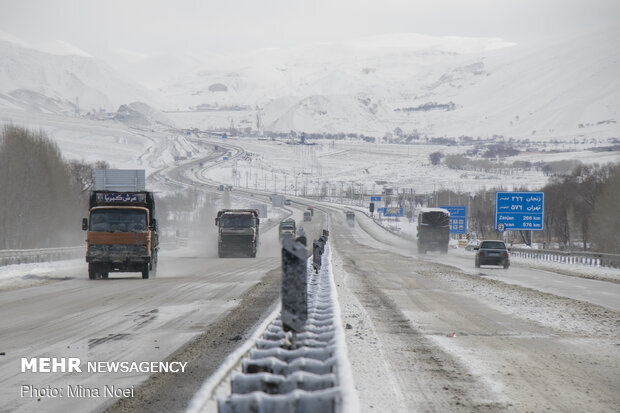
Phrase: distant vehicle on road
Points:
(287, 202)
(287, 229)
(237, 232)
(433, 230)
(311, 209)
(307, 216)
(492, 252)
(350, 218)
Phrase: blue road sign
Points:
(393, 212)
(519, 211)
(458, 219)
(375, 198)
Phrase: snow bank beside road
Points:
(25, 275)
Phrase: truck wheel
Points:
(145, 271)
(92, 272)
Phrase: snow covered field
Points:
(335, 167)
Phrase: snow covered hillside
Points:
(435, 86)
(391, 85)
(34, 80)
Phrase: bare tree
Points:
(605, 218)
(40, 204)
(84, 173)
(435, 157)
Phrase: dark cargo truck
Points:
(122, 234)
(433, 230)
(237, 232)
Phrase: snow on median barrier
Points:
(302, 367)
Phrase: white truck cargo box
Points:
(121, 180)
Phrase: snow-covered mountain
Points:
(391, 84)
(62, 82)
(321, 69)
(430, 85)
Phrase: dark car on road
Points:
(492, 253)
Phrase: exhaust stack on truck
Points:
(121, 229)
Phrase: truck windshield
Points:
(118, 220)
(237, 222)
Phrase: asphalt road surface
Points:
(426, 336)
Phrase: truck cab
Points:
(237, 232)
(287, 229)
(121, 233)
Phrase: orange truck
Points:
(122, 233)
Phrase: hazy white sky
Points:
(199, 26)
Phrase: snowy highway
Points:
(197, 309)
(426, 336)
(603, 293)
(123, 318)
(439, 334)
(424, 333)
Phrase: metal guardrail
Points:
(569, 257)
(8, 257)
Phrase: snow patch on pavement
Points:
(25, 275)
